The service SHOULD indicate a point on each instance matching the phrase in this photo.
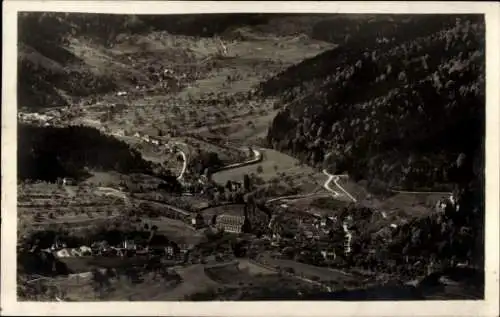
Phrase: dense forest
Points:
(398, 109)
(50, 152)
(404, 109)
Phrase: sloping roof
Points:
(230, 219)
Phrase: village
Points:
(271, 227)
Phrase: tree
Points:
(246, 183)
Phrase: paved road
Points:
(258, 158)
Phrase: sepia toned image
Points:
(250, 157)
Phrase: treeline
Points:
(51, 152)
(397, 112)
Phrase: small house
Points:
(68, 181)
(328, 255)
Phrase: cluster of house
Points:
(314, 228)
(126, 248)
(148, 139)
(35, 117)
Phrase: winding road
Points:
(258, 157)
(335, 179)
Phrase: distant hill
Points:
(398, 107)
(52, 72)
(49, 152)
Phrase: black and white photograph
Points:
(249, 156)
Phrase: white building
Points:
(229, 223)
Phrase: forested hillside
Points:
(46, 153)
(398, 108)
(403, 109)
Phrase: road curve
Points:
(335, 179)
(184, 165)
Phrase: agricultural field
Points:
(311, 272)
(233, 210)
(46, 204)
(276, 167)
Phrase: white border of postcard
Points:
(9, 304)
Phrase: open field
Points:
(323, 205)
(176, 230)
(239, 274)
(250, 130)
(275, 165)
(194, 280)
(309, 271)
(406, 206)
